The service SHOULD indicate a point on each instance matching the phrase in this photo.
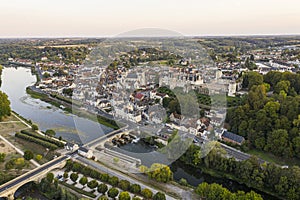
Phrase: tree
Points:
(83, 180)
(113, 181)
(92, 184)
(4, 105)
(147, 193)
(183, 182)
(103, 197)
(50, 177)
(124, 185)
(102, 188)
(74, 177)
(2, 157)
(160, 172)
(38, 157)
(277, 142)
(282, 86)
(50, 133)
(34, 127)
(66, 175)
(124, 196)
(104, 178)
(159, 196)
(135, 188)
(28, 155)
(113, 192)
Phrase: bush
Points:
(113, 181)
(74, 177)
(102, 188)
(147, 193)
(34, 127)
(113, 192)
(135, 188)
(28, 155)
(159, 196)
(92, 184)
(124, 185)
(83, 180)
(124, 196)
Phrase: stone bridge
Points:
(8, 189)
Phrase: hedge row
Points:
(80, 191)
(37, 141)
(47, 139)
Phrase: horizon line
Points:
(115, 36)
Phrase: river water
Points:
(68, 126)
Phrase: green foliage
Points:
(66, 175)
(4, 105)
(50, 133)
(113, 181)
(135, 188)
(50, 177)
(147, 193)
(15, 163)
(2, 157)
(124, 196)
(38, 157)
(83, 180)
(160, 173)
(159, 196)
(34, 127)
(102, 188)
(41, 137)
(216, 191)
(183, 182)
(92, 184)
(124, 185)
(28, 155)
(37, 141)
(252, 78)
(113, 192)
(74, 177)
(265, 177)
(259, 119)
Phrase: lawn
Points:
(274, 159)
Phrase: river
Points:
(46, 116)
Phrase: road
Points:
(28, 175)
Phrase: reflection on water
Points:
(70, 127)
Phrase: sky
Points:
(98, 18)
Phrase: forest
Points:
(270, 117)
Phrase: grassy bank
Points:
(67, 103)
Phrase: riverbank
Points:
(223, 178)
(70, 107)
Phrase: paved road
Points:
(28, 175)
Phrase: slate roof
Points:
(234, 137)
